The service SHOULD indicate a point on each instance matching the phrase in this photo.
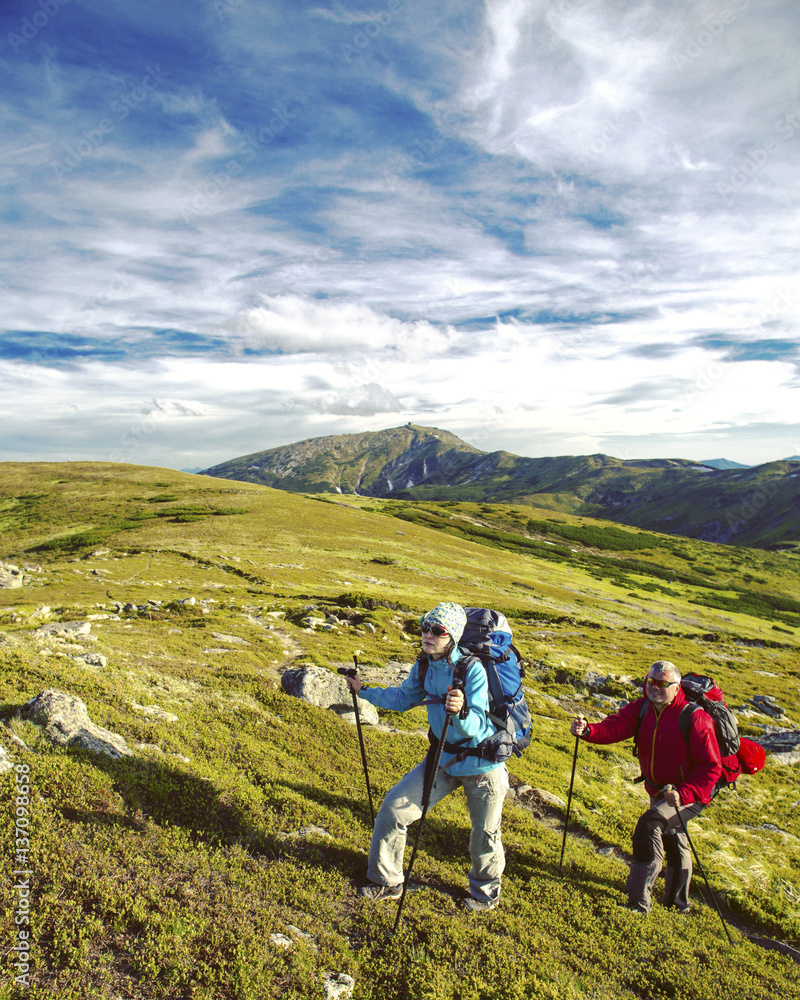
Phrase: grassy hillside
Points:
(242, 812)
(746, 506)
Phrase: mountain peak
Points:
(414, 462)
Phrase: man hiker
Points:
(665, 757)
(484, 782)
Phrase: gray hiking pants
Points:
(658, 833)
(485, 793)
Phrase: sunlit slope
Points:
(747, 506)
(242, 812)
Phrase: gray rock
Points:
(549, 798)
(301, 936)
(64, 630)
(324, 689)
(94, 659)
(154, 712)
(6, 763)
(67, 723)
(280, 941)
(777, 741)
(594, 680)
(233, 639)
(338, 986)
(613, 704)
(767, 705)
(11, 576)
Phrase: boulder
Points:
(63, 630)
(324, 689)
(767, 705)
(10, 576)
(67, 723)
(780, 741)
(549, 798)
(338, 986)
(94, 659)
(280, 941)
(234, 640)
(154, 712)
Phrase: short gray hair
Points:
(665, 667)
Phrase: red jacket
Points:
(664, 756)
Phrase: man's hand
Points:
(672, 796)
(355, 683)
(454, 701)
(579, 726)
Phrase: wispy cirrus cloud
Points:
(550, 227)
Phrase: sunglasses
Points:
(652, 682)
(436, 630)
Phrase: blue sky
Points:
(550, 226)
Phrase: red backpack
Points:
(739, 754)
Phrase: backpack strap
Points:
(639, 719)
(685, 718)
(459, 671)
(685, 725)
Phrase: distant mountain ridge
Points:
(722, 463)
(742, 505)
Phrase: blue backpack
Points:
(487, 640)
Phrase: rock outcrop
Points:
(10, 576)
(323, 688)
(66, 723)
(63, 630)
(782, 745)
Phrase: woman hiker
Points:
(485, 783)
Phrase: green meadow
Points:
(222, 858)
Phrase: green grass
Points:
(157, 876)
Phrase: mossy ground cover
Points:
(164, 874)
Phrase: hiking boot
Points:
(631, 909)
(473, 905)
(378, 893)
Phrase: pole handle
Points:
(458, 685)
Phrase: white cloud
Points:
(291, 324)
(602, 164)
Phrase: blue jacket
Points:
(474, 728)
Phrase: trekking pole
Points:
(569, 800)
(352, 672)
(668, 788)
(458, 685)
